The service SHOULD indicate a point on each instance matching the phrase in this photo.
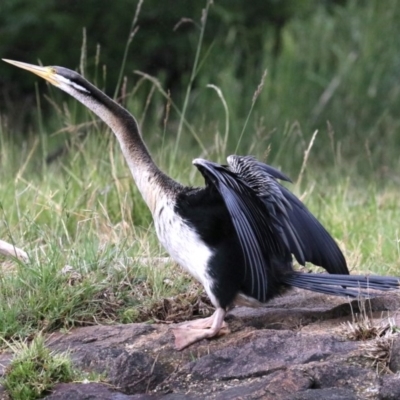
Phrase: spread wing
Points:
(308, 240)
(255, 228)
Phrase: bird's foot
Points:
(185, 336)
(193, 331)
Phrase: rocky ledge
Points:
(300, 346)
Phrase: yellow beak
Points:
(47, 73)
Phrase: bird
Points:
(238, 235)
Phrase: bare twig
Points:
(10, 250)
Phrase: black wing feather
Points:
(272, 171)
(318, 245)
(307, 239)
(256, 232)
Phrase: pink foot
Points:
(184, 336)
(193, 331)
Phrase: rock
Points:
(106, 349)
(390, 388)
(90, 391)
(325, 394)
(3, 394)
(276, 386)
(292, 349)
(98, 391)
(262, 352)
(394, 363)
(344, 374)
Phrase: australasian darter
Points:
(237, 234)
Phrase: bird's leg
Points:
(187, 334)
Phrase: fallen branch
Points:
(10, 250)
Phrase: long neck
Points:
(150, 180)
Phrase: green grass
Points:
(35, 370)
(84, 211)
(95, 222)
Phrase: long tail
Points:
(338, 285)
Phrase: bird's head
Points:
(65, 79)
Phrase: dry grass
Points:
(377, 336)
(192, 304)
(379, 352)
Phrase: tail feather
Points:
(338, 285)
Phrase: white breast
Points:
(183, 244)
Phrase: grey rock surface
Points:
(294, 348)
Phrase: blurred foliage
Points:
(332, 65)
(52, 32)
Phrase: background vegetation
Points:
(327, 61)
(65, 192)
